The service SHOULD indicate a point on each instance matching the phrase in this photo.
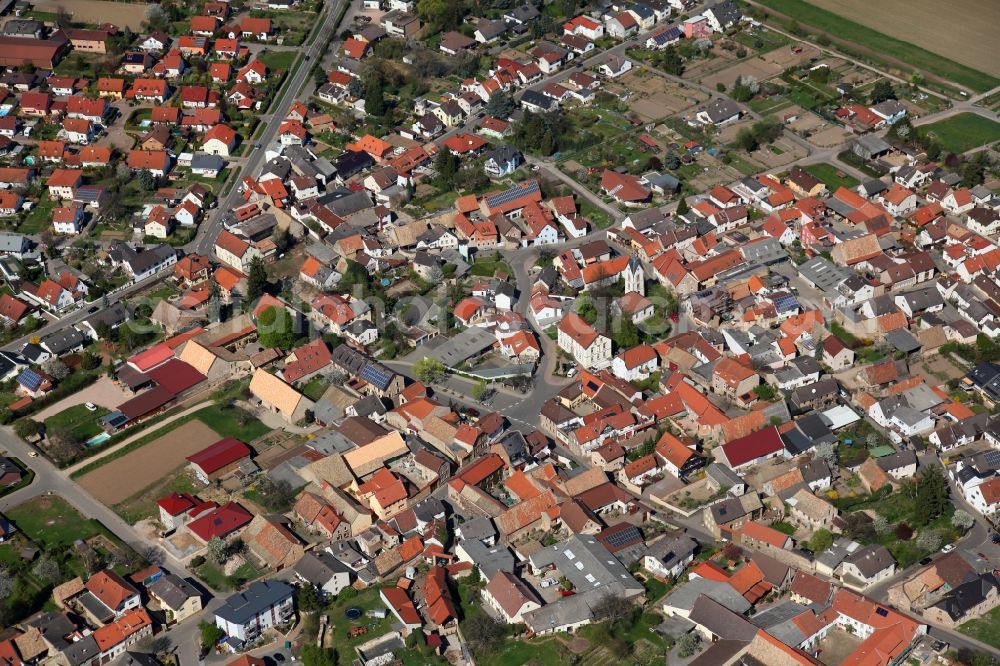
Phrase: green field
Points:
(77, 420)
(488, 265)
(829, 175)
(278, 60)
(963, 132)
(915, 56)
(985, 629)
(52, 522)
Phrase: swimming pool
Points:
(98, 439)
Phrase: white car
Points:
(948, 547)
(33, 454)
(91, 407)
(548, 582)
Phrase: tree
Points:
(374, 93)
(682, 207)
(827, 452)
(479, 390)
(276, 328)
(687, 645)
(6, 583)
(446, 164)
(929, 541)
(821, 540)
(765, 392)
(25, 428)
(881, 525)
(500, 105)
(442, 15)
(256, 279)
(146, 180)
(617, 611)
(933, 151)
(53, 366)
(276, 496)
(744, 89)
(47, 569)
(746, 140)
(974, 169)
(627, 335)
(931, 490)
(282, 240)
(671, 161)
(210, 634)
(484, 634)
(429, 370)
(962, 519)
(217, 550)
(882, 91)
(671, 61)
(313, 655)
(309, 598)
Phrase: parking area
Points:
(104, 392)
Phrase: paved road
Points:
(209, 230)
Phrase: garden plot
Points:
(655, 97)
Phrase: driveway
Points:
(103, 392)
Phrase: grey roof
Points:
(15, 243)
(724, 475)
(468, 343)
(577, 608)
(63, 341)
(968, 596)
(685, 596)
(319, 566)
(672, 549)
(504, 153)
(82, 651)
(873, 144)
(823, 273)
(241, 607)
(720, 621)
(207, 162)
(902, 340)
(870, 560)
(172, 590)
(489, 559)
(110, 316)
(536, 98)
(586, 563)
(726, 13)
(836, 553)
(897, 460)
(720, 109)
(777, 621)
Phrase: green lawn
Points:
(843, 28)
(38, 218)
(232, 422)
(784, 528)
(143, 504)
(278, 60)
(217, 580)
(985, 629)
(487, 266)
(832, 177)
(52, 522)
(963, 132)
(315, 388)
(78, 420)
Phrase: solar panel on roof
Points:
(511, 194)
(786, 303)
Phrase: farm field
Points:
(123, 477)
(97, 11)
(821, 16)
(964, 132)
(969, 39)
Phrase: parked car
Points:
(948, 547)
(91, 407)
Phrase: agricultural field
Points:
(123, 477)
(908, 41)
(97, 11)
(963, 132)
(970, 37)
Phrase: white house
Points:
(262, 605)
(581, 341)
(635, 364)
